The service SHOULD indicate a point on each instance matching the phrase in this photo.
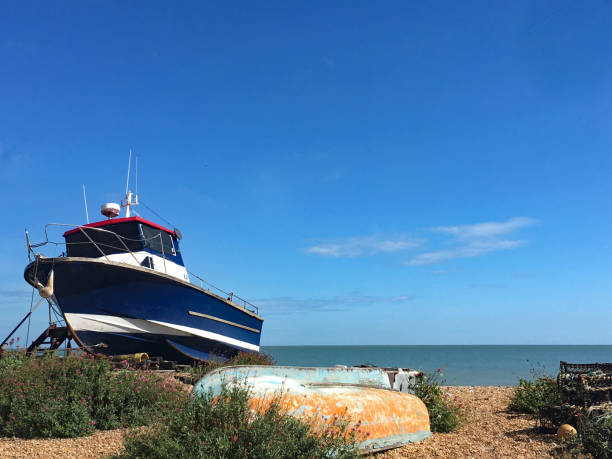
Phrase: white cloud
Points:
(476, 239)
(15, 296)
(486, 229)
(286, 305)
(363, 245)
(467, 241)
(472, 250)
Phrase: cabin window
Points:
(79, 245)
(158, 240)
(148, 262)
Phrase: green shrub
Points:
(227, 427)
(11, 360)
(530, 396)
(72, 396)
(596, 435)
(445, 413)
(242, 358)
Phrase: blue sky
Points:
(366, 173)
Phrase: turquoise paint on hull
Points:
(395, 441)
(276, 377)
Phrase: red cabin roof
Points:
(112, 221)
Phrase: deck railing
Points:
(230, 296)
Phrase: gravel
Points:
(489, 432)
(100, 444)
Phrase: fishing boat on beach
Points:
(122, 287)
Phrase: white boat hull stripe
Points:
(113, 324)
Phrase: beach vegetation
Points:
(74, 395)
(446, 413)
(228, 426)
(595, 435)
(12, 359)
(533, 395)
(594, 438)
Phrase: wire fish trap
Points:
(585, 384)
(551, 417)
(600, 410)
(581, 368)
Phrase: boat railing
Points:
(82, 228)
(229, 296)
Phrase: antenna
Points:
(85, 199)
(136, 176)
(128, 193)
(127, 182)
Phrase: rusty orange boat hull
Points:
(384, 418)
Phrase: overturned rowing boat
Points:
(388, 418)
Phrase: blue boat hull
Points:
(115, 308)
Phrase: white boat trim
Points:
(233, 324)
(160, 264)
(210, 335)
(113, 324)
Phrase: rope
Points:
(30, 318)
(31, 303)
(57, 315)
(159, 216)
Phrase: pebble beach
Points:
(490, 431)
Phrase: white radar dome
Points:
(110, 209)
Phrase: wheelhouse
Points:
(122, 236)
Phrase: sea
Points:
(483, 365)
